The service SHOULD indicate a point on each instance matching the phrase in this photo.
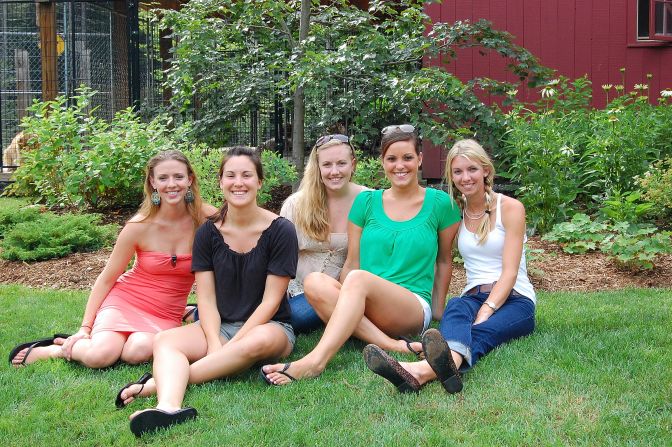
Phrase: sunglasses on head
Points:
(327, 138)
(406, 128)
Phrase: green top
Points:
(403, 252)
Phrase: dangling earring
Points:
(156, 198)
(189, 196)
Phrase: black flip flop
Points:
(119, 402)
(283, 371)
(438, 356)
(418, 354)
(33, 344)
(388, 368)
(155, 419)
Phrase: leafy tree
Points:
(358, 70)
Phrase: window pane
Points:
(643, 19)
(663, 18)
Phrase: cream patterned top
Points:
(326, 257)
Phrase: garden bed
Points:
(551, 270)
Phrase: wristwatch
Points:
(491, 305)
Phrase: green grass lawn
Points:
(598, 371)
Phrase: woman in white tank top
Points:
(498, 302)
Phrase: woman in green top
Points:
(398, 267)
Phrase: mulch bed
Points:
(551, 270)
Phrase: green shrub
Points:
(278, 171)
(635, 246)
(579, 235)
(82, 161)
(656, 187)
(369, 172)
(205, 163)
(566, 157)
(53, 236)
(625, 207)
(12, 215)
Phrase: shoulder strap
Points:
(498, 221)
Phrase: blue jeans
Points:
(304, 317)
(514, 319)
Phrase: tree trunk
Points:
(46, 16)
(298, 134)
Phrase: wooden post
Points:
(46, 17)
(23, 96)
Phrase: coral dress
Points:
(148, 298)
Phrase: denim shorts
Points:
(229, 330)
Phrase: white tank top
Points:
(483, 263)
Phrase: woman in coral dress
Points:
(126, 309)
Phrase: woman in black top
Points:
(243, 260)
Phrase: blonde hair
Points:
(471, 150)
(311, 214)
(148, 209)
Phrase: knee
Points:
(257, 347)
(162, 340)
(356, 280)
(100, 358)
(137, 352)
(313, 285)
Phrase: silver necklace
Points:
(471, 216)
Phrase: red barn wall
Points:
(575, 37)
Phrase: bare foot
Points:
(138, 390)
(422, 372)
(408, 346)
(300, 369)
(39, 353)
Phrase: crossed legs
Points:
(180, 359)
(367, 306)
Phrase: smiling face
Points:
(336, 166)
(239, 181)
(171, 180)
(401, 163)
(468, 176)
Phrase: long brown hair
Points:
(147, 209)
(237, 151)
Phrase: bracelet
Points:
(86, 325)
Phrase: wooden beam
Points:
(23, 96)
(46, 20)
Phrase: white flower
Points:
(641, 86)
(512, 93)
(547, 92)
(553, 82)
(607, 86)
(667, 93)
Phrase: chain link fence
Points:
(91, 49)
